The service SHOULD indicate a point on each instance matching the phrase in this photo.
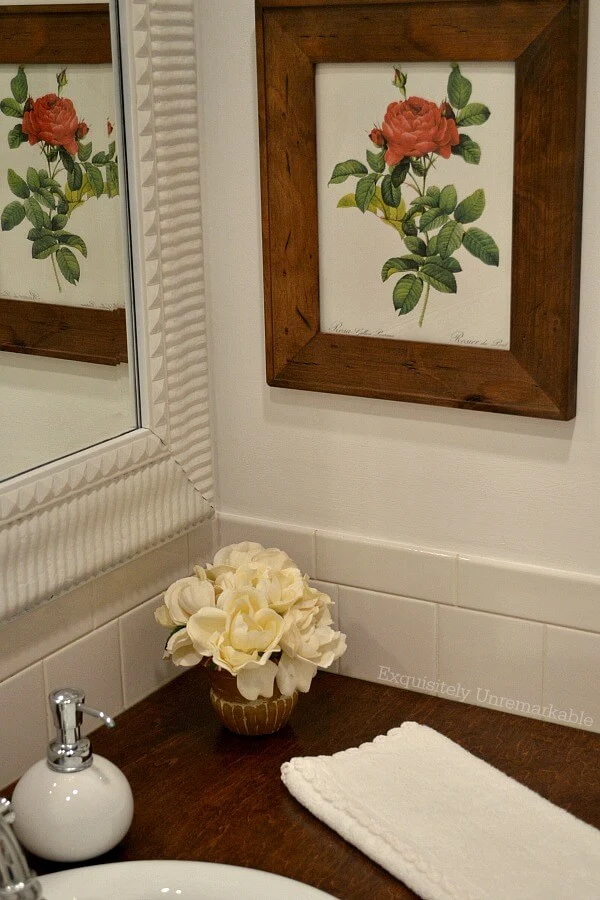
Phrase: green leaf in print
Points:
(34, 212)
(12, 215)
(391, 195)
(434, 193)
(84, 151)
(468, 149)
(451, 264)
(459, 88)
(399, 264)
(432, 245)
(409, 227)
(75, 177)
(59, 221)
(447, 199)
(10, 107)
(471, 208)
(376, 161)
(416, 245)
(418, 167)
(95, 179)
(432, 219)
(73, 240)
(19, 87)
(45, 197)
(44, 247)
(482, 245)
(17, 185)
(365, 191)
(100, 159)
(439, 277)
(449, 239)
(342, 171)
(16, 137)
(407, 294)
(33, 178)
(473, 114)
(68, 265)
(399, 172)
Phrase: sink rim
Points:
(174, 868)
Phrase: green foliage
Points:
(73, 240)
(468, 149)
(95, 179)
(342, 171)
(400, 264)
(432, 219)
(17, 185)
(439, 277)
(44, 247)
(19, 86)
(473, 114)
(449, 239)
(68, 265)
(391, 195)
(376, 161)
(84, 151)
(365, 191)
(459, 88)
(407, 294)
(482, 245)
(10, 107)
(416, 245)
(399, 172)
(16, 137)
(12, 215)
(447, 199)
(471, 208)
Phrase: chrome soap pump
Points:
(72, 805)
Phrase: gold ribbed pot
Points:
(249, 717)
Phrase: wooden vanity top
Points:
(202, 793)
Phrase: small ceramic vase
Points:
(249, 717)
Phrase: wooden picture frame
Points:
(547, 40)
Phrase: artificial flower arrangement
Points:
(253, 614)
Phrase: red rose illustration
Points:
(416, 127)
(377, 137)
(82, 130)
(52, 119)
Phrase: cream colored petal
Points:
(257, 681)
(205, 627)
(163, 617)
(294, 675)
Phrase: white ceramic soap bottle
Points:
(72, 805)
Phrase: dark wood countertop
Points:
(202, 793)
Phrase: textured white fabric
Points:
(446, 823)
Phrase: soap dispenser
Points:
(72, 805)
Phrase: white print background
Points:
(102, 282)
(353, 246)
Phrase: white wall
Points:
(521, 489)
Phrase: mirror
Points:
(71, 520)
(65, 380)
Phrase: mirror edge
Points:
(76, 518)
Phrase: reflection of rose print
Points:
(414, 134)
(52, 123)
(415, 128)
(51, 119)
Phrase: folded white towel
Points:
(446, 823)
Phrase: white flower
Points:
(308, 634)
(185, 597)
(240, 634)
(180, 649)
(294, 674)
(274, 559)
(281, 588)
(237, 554)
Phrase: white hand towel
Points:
(446, 823)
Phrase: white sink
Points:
(173, 880)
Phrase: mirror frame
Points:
(72, 520)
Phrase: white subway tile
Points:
(490, 657)
(41, 631)
(386, 567)
(138, 580)
(92, 664)
(572, 676)
(529, 592)
(22, 723)
(388, 636)
(299, 543)
(142, 644)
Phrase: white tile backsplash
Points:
(386, 567)
(387, 636)
(572, 676)
(142, 646)
(490, 655)
(24, 737)
(529, 592)
(93, 663)
(299, 543)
